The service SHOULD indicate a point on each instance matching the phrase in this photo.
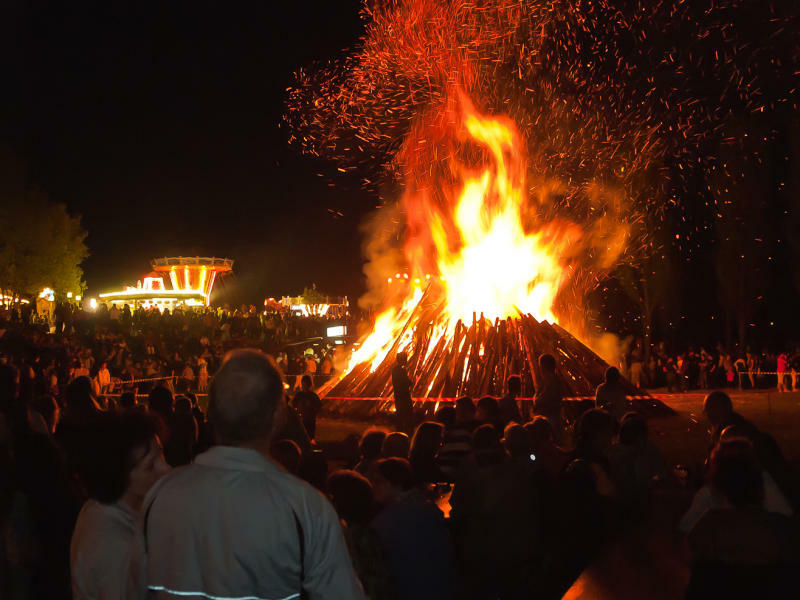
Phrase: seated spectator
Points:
(718, 409)
(424, 451)
(488, 411)
(234, 501)
(515, 442)
(547, 454)
(369, 449)
(413, 532)
(509, 409)
(707, 498)
(396, 445)
(184, 433)
(611, 396)
(465, 414)
(126, 463)
(456, 443)
(352, 496)
(635, 462)
(288, 455)
(738, 549)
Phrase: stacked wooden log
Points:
(476, 359)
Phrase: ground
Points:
(682, 437)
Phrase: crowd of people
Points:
(160, 496)
(714, 368)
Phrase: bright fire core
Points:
(490, 254)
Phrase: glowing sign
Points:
(336, 331)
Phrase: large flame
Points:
(490, 255)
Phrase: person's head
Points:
(47, 406)
(391, 477)
(244, 397)
(369, 447)
(127, 400)
(352, 496)
(540, 433)
(547, 364)
(160, 400)
(633, 430)
(127, 459)
(396, 445)
(718, 408)
(595, 433)
(612, 376)
(488, 409)
(287, 454)
(486, 439)
(426, 441)
(446, 415)
(465, 410)
(514, 385)
(183, 406)
(734, 472)
(305, 383)
(402, 359)
(515, 441)
(78, 395)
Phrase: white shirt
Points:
(100, 551)
(226, 526)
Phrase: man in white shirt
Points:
(126, 463)
(234, 524)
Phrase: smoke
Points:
(383, 252)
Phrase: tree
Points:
(41, 244)
(740, 186)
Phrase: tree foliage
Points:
(41, 244)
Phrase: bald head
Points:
(243, 397)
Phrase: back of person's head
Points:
(488, 409)
(47, 406)
(397, 471)
(547, 363)
(540, 432)
(121, 442)
(515, 441)
(127, 400)
(287, 454)
(160, 400)
(402, 359)
(718, 407)
(612, 376)
(183, 406)
(396, 445)
(594, 433)
(632, 429)
(192, 398)
(514, 385)
(426, 442)
(465, 409)
(734, 472)
(305, 383)
(485, 438)
(351, 494)
(244, 396)
(78, 395)
(446, 415)
(371, 442)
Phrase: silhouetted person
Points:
(509, 409)
(424, 452)
(396, 445)
(549, 394)
(307, 404)
(402, 384)
(369, 448)
(610, 395)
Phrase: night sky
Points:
(159, 123)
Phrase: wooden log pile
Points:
(475, 359)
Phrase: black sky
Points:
(159, 123)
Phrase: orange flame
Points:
(490, 255)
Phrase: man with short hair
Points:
(234, 524)
(548, 398)
(509, 409)
(401, 386)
